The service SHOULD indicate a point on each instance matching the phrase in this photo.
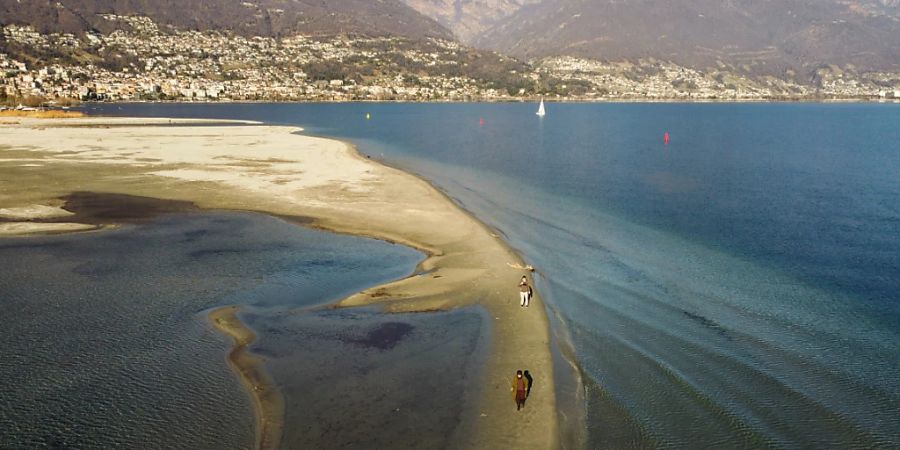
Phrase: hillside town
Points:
(650, 79)
(142, 61)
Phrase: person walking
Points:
(520, 388)
(524, 292)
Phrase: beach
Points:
(318, 182)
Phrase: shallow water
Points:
(356, 378)
(105, 338)
(735, 288)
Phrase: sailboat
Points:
(540, 112)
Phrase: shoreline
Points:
(266, 398)
(516, 100)
(342, 191)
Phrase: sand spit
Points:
(273, 170)
(24, 228)
(267, 401)
(33, 212)
(89, 121)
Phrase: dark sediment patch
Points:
(101, 208)
(194, 235)
(97, 208)
(384, 336)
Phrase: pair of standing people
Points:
(525, 292)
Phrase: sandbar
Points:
(276, 170)
(267, 402)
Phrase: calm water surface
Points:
(105, 338)
(736, 288)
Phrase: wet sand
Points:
(273, 170)
(267, 401)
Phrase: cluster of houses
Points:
(140, 61)
(653, 79)
(190, 65)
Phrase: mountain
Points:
(468, 19)
(753, 36)
(244, 17)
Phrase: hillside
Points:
(383, 50)
(750, 36)
(247, 17)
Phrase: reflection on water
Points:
(105, 339)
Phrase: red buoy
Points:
(481, 121)
(666, 138)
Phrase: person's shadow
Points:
(528, 377)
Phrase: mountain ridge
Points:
(249, 18)
(757, 37)
(468, 19)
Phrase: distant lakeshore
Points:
(538, 99)
(76, 105)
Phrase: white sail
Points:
(540, 110)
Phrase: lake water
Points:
(737, 287)
(104, 336)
